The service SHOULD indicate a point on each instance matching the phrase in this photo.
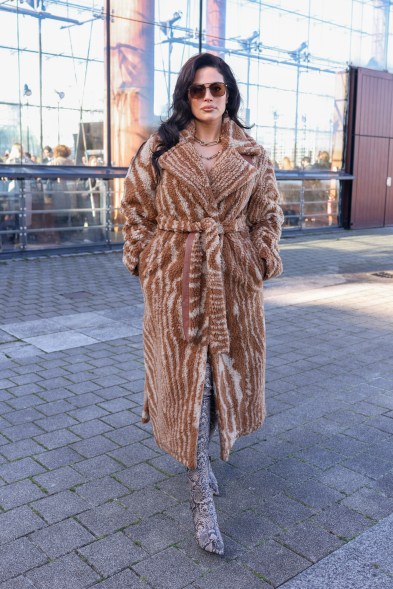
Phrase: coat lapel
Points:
(233, 171)
(230, 173)
(183, 162)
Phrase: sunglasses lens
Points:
(217, 89)
(197, 91)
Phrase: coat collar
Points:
(227, 176)
(232, 135)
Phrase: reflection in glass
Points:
(309, 203)
(59, 212)
(52, 49)
(9, 213)
(290, 60)
(284, 57)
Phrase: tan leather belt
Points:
(211, 247)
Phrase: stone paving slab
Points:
(366, 562)
(66, 572)
(87, 499)
(26, 329)
(70, 331)
(55, 342)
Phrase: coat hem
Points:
(225, 454)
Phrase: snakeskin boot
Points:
(203, 511)
(213, 422)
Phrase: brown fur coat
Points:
(202, 245)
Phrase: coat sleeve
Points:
(265, 218)
(138, 206)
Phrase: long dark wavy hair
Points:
(181, 115)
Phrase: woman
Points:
(202, 226)
(11, 221)
(61, 156)
(17, 155)
(60, 193)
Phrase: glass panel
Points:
(287, 77)
(54, 53)
(9, 214)
(73, 81)
(290, 201)
(309, 203)
(322, 45)
(67, 212)
(9, 123)
(390, 41)
(60, 212)
(150, 41)
(334, 11)
(116, 220)
(370, 23)
(320, 203)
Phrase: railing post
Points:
(302, 190)
(22, 215)
(339, 191)
(108, 214)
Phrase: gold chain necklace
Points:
(207, 143)
(210, 157)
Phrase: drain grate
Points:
(383, 274)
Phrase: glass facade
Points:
(54, 56)
(87, 81)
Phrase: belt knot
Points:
(208, 224)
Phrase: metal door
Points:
(369, 186)
(372, 140)
(389, 188)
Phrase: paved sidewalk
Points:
(88, 500)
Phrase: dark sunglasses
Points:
(199, 90)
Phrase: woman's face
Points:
(208, 109)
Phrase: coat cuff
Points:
(270, 262)
(131, 260)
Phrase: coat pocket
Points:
(259, 262)
(241, 262)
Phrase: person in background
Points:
(62, 192)
(286, 163)
(47, 154)
(61, 156)
(30, 157)
(17, 155)
(323, 161)
(306, 163)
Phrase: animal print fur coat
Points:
(202, 244)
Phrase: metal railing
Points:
(311, 201)
(46, 208)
